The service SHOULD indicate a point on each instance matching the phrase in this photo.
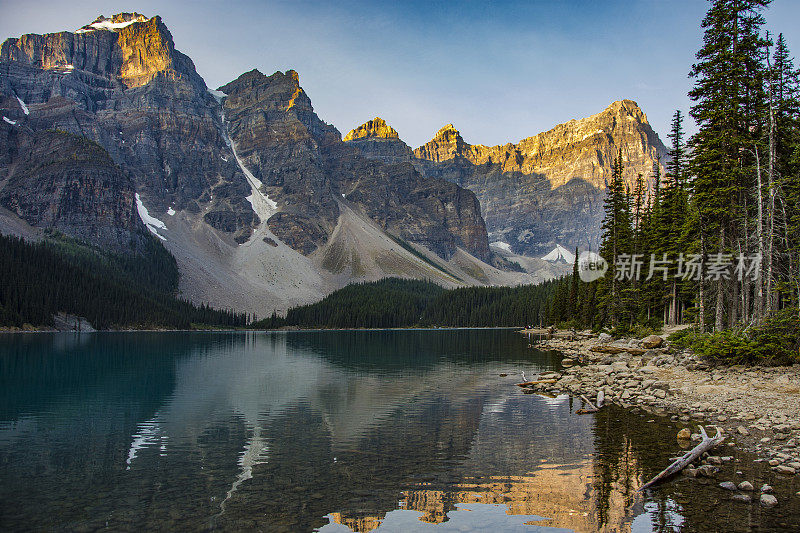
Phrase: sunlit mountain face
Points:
(336, 431)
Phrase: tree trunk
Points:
(732, 315)
(702, 294)
(673, 304)
(760, 229)
(771, 188)
(719, 311)
(719, 306)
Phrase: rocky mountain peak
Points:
(264, 112)
(375, 128)
(447, 129)
(280, 91)
(377, 140)
(449, 134)
(628, 107)
(245, 80)
(129, 48)
(446, 144)
(290, 78)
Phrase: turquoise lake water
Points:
(332, 431)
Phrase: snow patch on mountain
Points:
(62, 69)
(23, 106)
(152, 223)
(502, 245)
(218, 95)
(559, 253)
(263, 205)
(103, 23)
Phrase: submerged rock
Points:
(768, 500)
(707, 470)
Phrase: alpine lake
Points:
(336, 431)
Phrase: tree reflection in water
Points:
(329, 430)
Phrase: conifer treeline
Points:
(716, 240)
(389, 303)
(397, 303)
(59, 275)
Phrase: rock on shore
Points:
(758, 407)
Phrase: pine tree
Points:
(654, 238)
(675, 208)
(677, 153)
(727, 92)
(616, 239)
(783, 88)
(574, 300)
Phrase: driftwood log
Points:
(591, 409)
(688, 458)
(613, 350)
(529, 383)
(588, 402)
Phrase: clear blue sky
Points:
(498, 71)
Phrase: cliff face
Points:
(307, 169)
(276, 133)
(582, 148)
(67, 183)
(547, 189)
(121, 83)
(128, 47)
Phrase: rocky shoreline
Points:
(758, 408)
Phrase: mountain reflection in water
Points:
(328, 431)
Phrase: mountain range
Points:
(110, 136)
(542, 192)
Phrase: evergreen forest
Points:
(61, 275)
